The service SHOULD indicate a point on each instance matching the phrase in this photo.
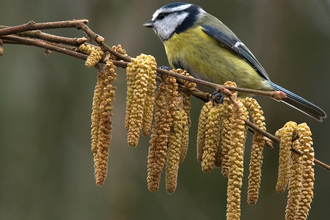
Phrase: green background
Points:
(46, 167)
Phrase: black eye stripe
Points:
(162, 16)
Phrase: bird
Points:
(201, 44)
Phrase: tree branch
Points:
(45, 45)
(31, 25)
(30, 34)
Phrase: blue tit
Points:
(206, 48)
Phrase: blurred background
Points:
(46, 167)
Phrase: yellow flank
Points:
(210, 61)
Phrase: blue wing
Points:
(236, 46)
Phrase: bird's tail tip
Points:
(300, 103)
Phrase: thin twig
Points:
(53, 38)
(31, 25)
(50, 37)
(100, 41)
(45, 45)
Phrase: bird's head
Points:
(174, 18)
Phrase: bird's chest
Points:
(189, 46)
(198, 54)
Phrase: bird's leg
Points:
(217, 97)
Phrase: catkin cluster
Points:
(164, 112)
(221, 141)
(208, 137)
(221, 134)
(306, 195)
(104, 94)
(295, 183)
(170, 133)
(236, 154)
(300, 171)
(286, 135)
(95, 54)
(256, 152)
(175, 150)
(184, 99)
(141, 85)
(226, 135)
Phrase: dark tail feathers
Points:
(300, 104)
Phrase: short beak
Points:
(149, 24)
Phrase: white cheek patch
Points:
(166, 27)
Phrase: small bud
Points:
(279, 95)
(99, 38)
(81, 40)
(48, 52)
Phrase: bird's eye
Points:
(161, 16)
